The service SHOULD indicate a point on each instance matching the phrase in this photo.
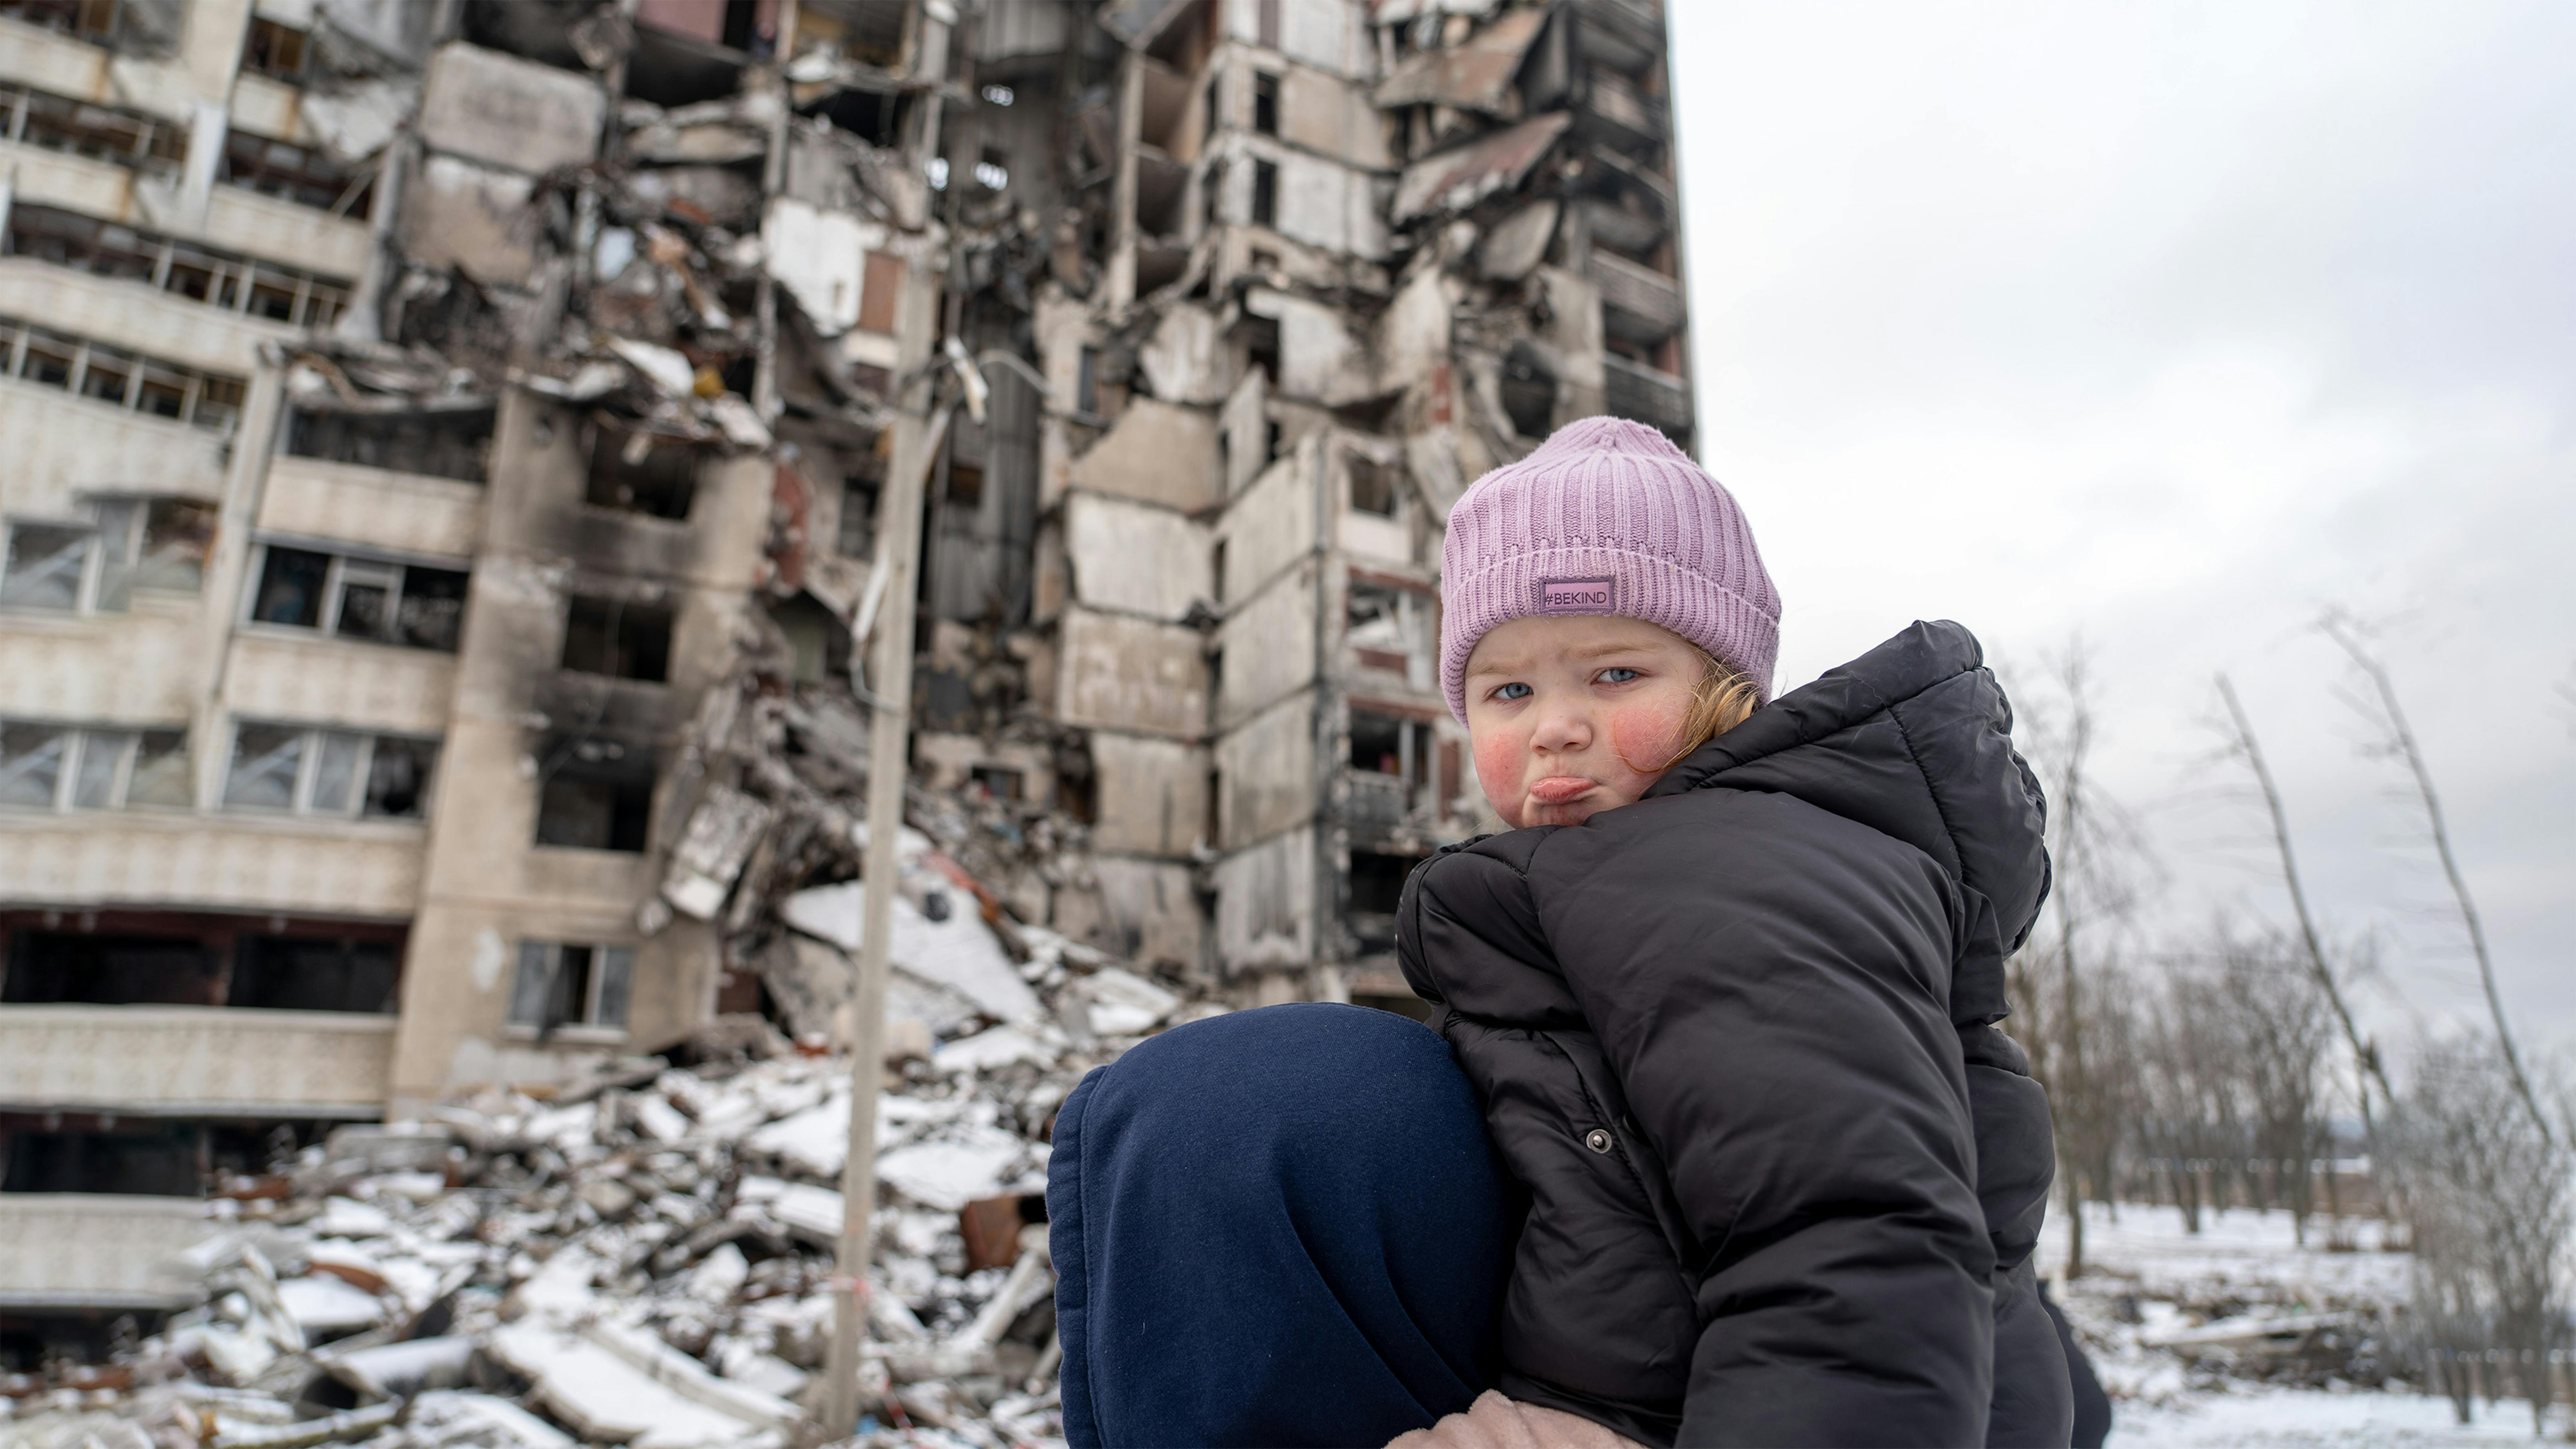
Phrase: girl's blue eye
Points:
(1513, 691)
(1617, 676)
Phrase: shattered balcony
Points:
(1645, 394)
(1374, 803)
(1616, 111)
(98, 1250)
(1638, 304)
(198, 1059)
(1623, 35)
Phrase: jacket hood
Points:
(1913, 739)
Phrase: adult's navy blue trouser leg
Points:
(1279, 1227)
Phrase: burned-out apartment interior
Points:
(444, 447)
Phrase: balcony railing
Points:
(1637, 304)
(197, 1059)
(1617, 101)
(1374, 803)
(97, 1250)
(1644, 394)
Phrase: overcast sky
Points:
(2172, 326)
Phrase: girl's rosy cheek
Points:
(1500, 761)
(1644, 732)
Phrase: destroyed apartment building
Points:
(444, 446)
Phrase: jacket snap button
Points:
(1597, 1140)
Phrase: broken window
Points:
(450, 444)
(54, 767)
(1086, 383)
(1261, 354)
(275, 50)
(818, 641)
(1214, 111)
(295, 173)
(307, 771)
(119, 378)
(1388, 627)
(1265, 103)
(155, 1160)
(634, 472)
(965, 484)
(1376, 487)
(858, 530)
(31, 764)
(619, 639)
(103, 133)
(215, 278)
(594, 794)
(1387, 745)
(997, 782)
(563, 983)
(46, 565)
(356, 598)
(87, 19)
(1529, 390)
(1376, 888)
(1265, 193)
(314, 973)
(114, 969)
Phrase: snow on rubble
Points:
(646, 1258)
(2241, 1335)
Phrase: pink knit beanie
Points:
(1607, 517)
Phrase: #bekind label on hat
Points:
(1578, 596)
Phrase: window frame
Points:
(113, 561)
(313, 742)
(371, 569)
(609, 971)
(209, 401)
(82, 745)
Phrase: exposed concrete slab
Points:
(1157, 451)
(504, 111)
(1265, 905)
(1123, 673)
(461, 214)
(1269, 644)
(1152, 793)
(1136, 558)
(1267, 770)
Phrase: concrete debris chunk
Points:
(604, 1398)
(959, 953)
(1122, 1003)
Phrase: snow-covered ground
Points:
(2266, 1418)
(2158, 1307)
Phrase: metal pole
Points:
(916, 446)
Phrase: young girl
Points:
(1724, 995)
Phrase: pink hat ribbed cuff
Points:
(1606, 499)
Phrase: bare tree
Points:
(2491, 1198)
(2095, 856)
(2244, 745)
(2188, 1108)
(2397, 741)
(2284, 1030)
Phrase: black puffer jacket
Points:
(1736, 1040)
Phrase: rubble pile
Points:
(647, 1256)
